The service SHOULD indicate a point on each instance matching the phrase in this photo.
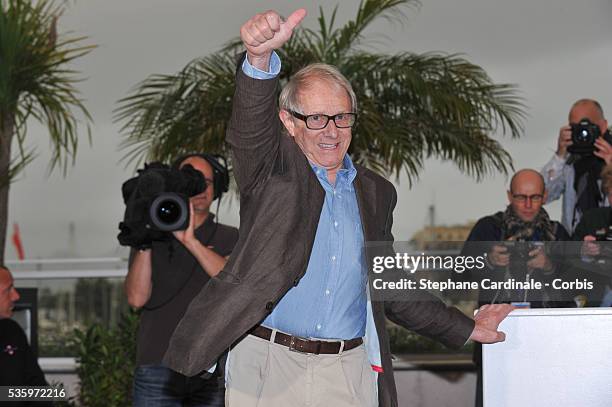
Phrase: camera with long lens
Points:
(157, 202)
(584, 134)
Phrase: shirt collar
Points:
(345, 175)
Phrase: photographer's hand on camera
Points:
(187, 236)
(499, 256)
(603, 150)
(211, 262)
(590, 248)
(564, 141)
(539, 260)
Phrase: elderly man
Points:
(524, 220)
(18, 364)
(575, 174)
(293, 296)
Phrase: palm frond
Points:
(430, 105)
(35, 80)
(168, 115)
(411, 107)
(16, 166)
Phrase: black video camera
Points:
(584, 134)
(157, 202)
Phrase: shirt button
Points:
(318, 327)
(333, 258)
(326, 292)
(336, 224)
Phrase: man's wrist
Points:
(260, 62)
(270, 71)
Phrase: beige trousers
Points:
(264, 374)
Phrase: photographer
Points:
(524, 220)
(583, 148)
(596, 224)
(163, 279)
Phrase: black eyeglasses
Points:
(319, 121)
(537, 198)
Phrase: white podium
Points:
(555, 357)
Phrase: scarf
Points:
(539, 229)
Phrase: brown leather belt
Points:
(302, 345)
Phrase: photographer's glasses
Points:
(319, 121)
(537, 198)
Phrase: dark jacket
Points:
(280, 205)
(593, 220)
(489, 230)
(598, 272)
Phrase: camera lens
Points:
(168, 211)
(584, 135)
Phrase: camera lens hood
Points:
(169, 212)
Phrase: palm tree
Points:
(411, 106)
(35, 82)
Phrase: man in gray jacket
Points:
(293, 295)
(576, 177)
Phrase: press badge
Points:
(526, 304)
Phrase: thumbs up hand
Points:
(265, 32)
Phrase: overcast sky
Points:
(556, 51)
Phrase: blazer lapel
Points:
(365, 188)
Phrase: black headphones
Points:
(220, 171)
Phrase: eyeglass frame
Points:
(304, 118)
(522, 198)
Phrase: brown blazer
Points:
(280, 205)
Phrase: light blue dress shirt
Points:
(371, 336)
(330, 300)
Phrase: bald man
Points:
(523, 220)
(18, 364)
(163, 279)
(574, 175)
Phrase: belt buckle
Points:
(292, 344)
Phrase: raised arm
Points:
(254, 128)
